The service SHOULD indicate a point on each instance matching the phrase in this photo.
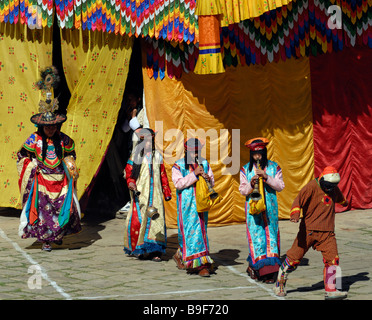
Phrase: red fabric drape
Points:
(341, 85)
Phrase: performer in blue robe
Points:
(193, 253)
(262, 228)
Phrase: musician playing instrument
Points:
(262, 227)
(145, 236)
(193, 253)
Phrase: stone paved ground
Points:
(92, 265)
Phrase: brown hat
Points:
(48, 118)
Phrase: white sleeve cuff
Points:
(134, 124)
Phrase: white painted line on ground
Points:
(232, 269)
(163, 293)
(68, 297)
(33, 262)
(269, 291)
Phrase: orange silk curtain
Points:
(273, 101)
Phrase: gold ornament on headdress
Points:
(49, 79)
(52, 106)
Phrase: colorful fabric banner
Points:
(23, 53)
(169, 58)
(210, 59)
(172, 20)
(254, 31)
(235, 11)
(296, 30)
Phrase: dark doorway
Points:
(108, 191)
(62, 91)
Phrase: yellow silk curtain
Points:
(23, 53)
(234, 11)
(273, 101)
(96, 66)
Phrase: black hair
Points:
(327, 186)
(187, 158)
(192, 142)
(138, 155)
(135, 92)
(56, 139)
(263, 152)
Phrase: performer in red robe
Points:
(145, 236)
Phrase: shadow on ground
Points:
(90, 233)
(346, 283)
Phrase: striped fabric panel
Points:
(54, 185)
